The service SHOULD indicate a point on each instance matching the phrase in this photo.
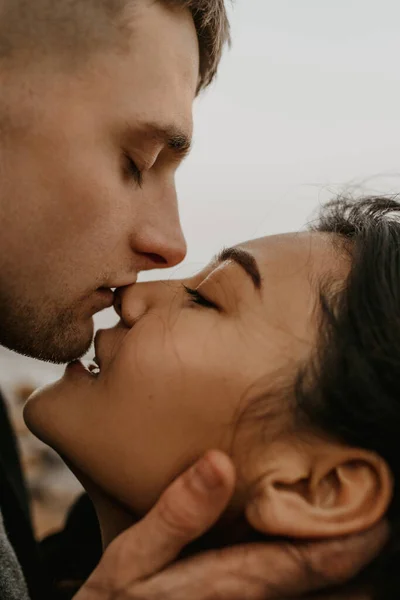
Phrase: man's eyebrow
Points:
(244, 259)
(171, 136)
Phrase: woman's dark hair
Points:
(351, 388)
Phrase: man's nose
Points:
(161, 249)
(160, 239)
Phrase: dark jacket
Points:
(69, 555)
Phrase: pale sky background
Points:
(306, 104)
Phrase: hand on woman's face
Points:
(181, 366)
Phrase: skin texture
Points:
(67, 189)
(176, 378)
(73, 220)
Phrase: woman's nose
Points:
(129, 303)
(133, 301)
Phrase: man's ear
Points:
(320, 490)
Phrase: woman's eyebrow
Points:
(244, 259)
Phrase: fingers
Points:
(188, 508)
(337, 561)
(266, 571)
(132, 565)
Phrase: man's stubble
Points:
(47, 332)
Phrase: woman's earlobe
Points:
(337, 491)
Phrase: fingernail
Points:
(206, 475)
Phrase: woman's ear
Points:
(321, 490)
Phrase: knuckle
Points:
(113, 558)
(114, 567)
(234, 575)
(236, 561)
(177, 517)
(213, 589)
(334, 568)
(134, 594)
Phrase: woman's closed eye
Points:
(197, 298)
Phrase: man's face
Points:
(76, 217)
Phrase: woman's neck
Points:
(112, 516)
(113, 519)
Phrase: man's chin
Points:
(72, 349)
(59, 343)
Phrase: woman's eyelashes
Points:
(197, 298)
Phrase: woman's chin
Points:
(39, 414)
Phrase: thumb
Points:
(186, 510)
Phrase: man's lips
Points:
(107, 295)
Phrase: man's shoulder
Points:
(12, 582)
(10, 467)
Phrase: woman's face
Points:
(181, 366)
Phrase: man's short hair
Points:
(72, 29)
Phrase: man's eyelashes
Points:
(133, 170)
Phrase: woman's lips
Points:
(106, 346)
(96, 344)
(78, 368)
